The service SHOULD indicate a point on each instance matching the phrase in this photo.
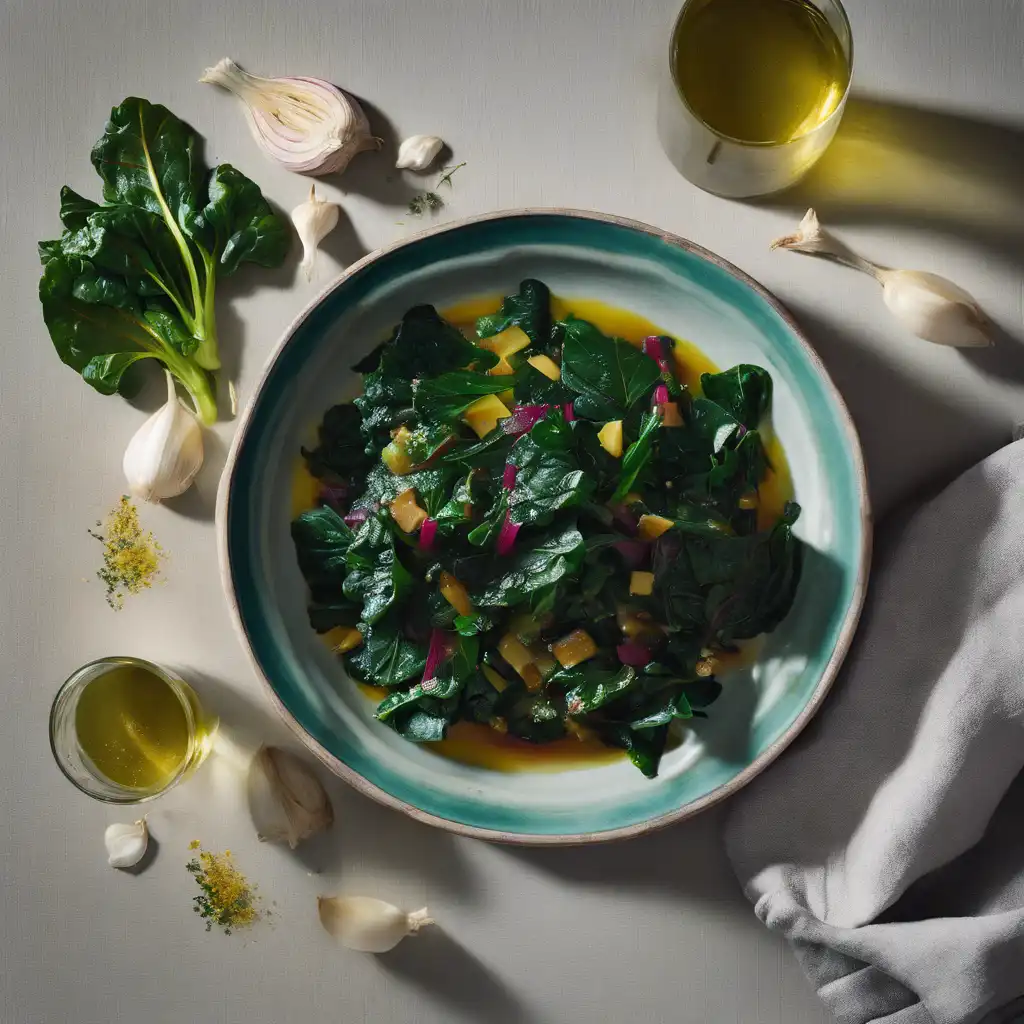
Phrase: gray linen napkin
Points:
(888, 843)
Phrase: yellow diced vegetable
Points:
(652, 527)
(532, 677)
(456, 594)
(503, 368)
(343, 638)
(395, 456)
(483, 415)
(406, 511)
(636, 625)
(670, 415)
(494, 677)
(507, 343)
(546, 665)
(515, 652)
(582, 732)
(641, 584)
(749, 501)
(610, 436)
(575, 648)
(508, 397)
(547, 366)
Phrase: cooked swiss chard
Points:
(133, 278)
(542, 530)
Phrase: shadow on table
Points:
(439, 964)
(914, 439)
(894, 163)
(383, 837)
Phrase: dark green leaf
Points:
(237, 225)
(426, 345)
(447, 397)
(637, 455)
(339, 456)
(530, 311)
(386, 658)
(745, 392)
(608, 372)
(533, 568)
(322, 540)
(588, 688)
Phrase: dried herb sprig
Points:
(432, 201)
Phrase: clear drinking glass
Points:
(735, 167)
(197, 731)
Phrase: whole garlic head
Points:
(418, 152)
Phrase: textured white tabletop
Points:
(549, 105)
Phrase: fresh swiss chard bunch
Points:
(542, 530)
(133, 278)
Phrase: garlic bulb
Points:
(368, 925)
(418, 152)
(313, 219)
(287, 801)
(307, 125)
(165, 454)
(929, 306)
(126, 844)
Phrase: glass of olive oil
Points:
(754, 91)
(124, 730)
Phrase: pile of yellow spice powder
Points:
(131, 557)
(227, 900)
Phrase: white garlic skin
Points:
(368, 925)
(126, 844)
(418, 152)
(313, 220)
(935, 309)
(288, 803)
(929, 306)
(166, 452)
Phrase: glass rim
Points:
(175, 684)
(747, 143)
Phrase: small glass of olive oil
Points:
(753, 91)
(125, 731)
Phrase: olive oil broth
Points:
(479, 745)
(759, 71)
(132, 728)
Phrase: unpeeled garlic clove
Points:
(166, 453)
(418, 152)
(126, 844)
(287, 801)
(929, 306)
(306, 124)
(366, 924)
(313, 220)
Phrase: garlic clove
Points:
(366, 924)
(313, 220)
(166, 452)
(418, 152)
(307, 125)
(126, 844)
(935, 309)
(929, 306)
(288, 803)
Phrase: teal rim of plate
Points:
(665, 796)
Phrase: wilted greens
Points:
(133, 278)
(542, 530)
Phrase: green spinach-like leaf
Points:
(609, 372)
(744, 391)
(530, 569)
(529, 310)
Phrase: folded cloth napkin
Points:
(887, 844)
